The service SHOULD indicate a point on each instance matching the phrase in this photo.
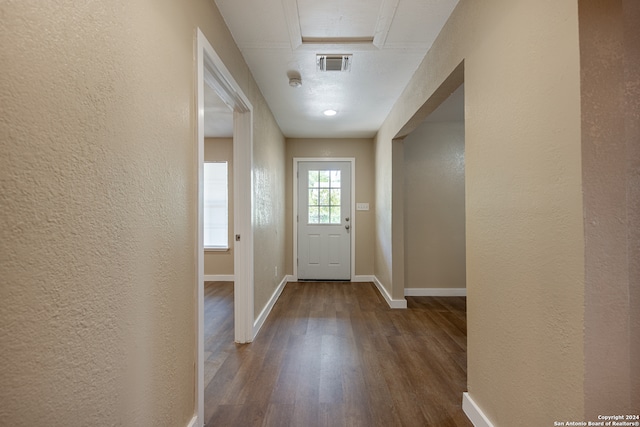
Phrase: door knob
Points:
(347, 226)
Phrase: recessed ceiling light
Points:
(329, 112)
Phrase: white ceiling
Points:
(281, 38)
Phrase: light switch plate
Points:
(362, 206)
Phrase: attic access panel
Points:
(338, 19)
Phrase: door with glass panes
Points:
(324, 220)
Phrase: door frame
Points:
(352, 241)
(211, 70)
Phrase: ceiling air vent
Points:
(333, 62)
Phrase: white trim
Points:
(219, 278)
(393, 303)
(435, 292)
(351, 160)
(267, 309)
(211, 70)
(336, 45)
(385, 17)
(243, 223)
(474, 413)
(216, 248)
(193, 422)
(200, 230)
(293, 22)
(216, 74)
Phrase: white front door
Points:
(324, 220)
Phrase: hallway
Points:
(334, 354)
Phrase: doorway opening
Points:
(211, 72)
(431, 155)
(434, 202)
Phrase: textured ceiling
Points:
(281, 38)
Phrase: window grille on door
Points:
(324, 197)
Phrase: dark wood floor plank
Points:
(334, 354)
(278, 415)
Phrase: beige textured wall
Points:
(434, 218)
(98, 208)
(221, 149)
(524, 228)
(269, 204)
(610, 58)
(362, 151)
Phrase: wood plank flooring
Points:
(334, 354)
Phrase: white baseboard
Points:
(219, 278)
(474, 413)
(435, 292)
(393, 303)
(267, 309)
(193, 422)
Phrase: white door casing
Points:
(211, 70)
(324, 219)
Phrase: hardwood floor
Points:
(334, 354)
